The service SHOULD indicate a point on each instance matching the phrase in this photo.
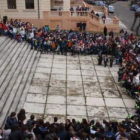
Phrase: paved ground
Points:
(76, 87)
(54, 85)
(122, 11)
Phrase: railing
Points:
(59, 13)
(79, 13)
(99, 19)
(97, 8)
(70, 14)
(94, 17)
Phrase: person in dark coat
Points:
(31, 121)
(105, 60)
(111, 34)
(111, 61)
(24, 133)
(15, 133)
(21, 117)
(11, 120)
(62, 134)
(105, 31)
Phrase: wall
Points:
(20, 12)
(68, 22)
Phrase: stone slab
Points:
(116, 112)
(95, 111)
(55, 109)
(38, 89)
(43, 70)
(56, 99)
(60, 66)
(111, 102)
(76, 110)
(58, 77)
(89, 85)
(36, 98)
(90, 78)
(106, 79)
(86, 62)
(74, 84)
(44, 76)
(85, 57)
(73, 66)
(58, 71)
(101, 68)
(74, 72)
(88, 73)
(103, 73)
(47, 65)
(108, 85)
(57, 83)
(111, 93)
(72, 100)
(75, 91)
(57, 91)
(34, 108)
(130, 103)
(91, 101)
(74, 78)
(87, 67)
(93, 93)
(40, 82)
(45, 60)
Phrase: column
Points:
(66, 5)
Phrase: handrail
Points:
(70, 13)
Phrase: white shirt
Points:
(15, 30)
(31, 35)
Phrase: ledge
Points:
(29, 10)
(11, 10)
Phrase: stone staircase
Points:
(17, 65)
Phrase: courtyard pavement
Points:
(76, 87)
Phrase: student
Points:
(105, 60)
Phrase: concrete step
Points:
(6, 58)
(2, 39)
(5, 69)
(17, 66)
(16, 81)
(9, 72)
(3, 57)
(30, 74)
(4, 47)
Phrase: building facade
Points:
(30, 9)
(56, 12)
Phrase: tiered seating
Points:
(17, 65)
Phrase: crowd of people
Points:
(80, 11)
(59, 41)
(129, 72)
(123, 49)
(17, 129)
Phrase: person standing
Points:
(105, 31)
(111, 34)
(105, 60)
(111, 61)
(100, 58)
(11, 120)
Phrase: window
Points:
(11, 4)
(29, 4)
